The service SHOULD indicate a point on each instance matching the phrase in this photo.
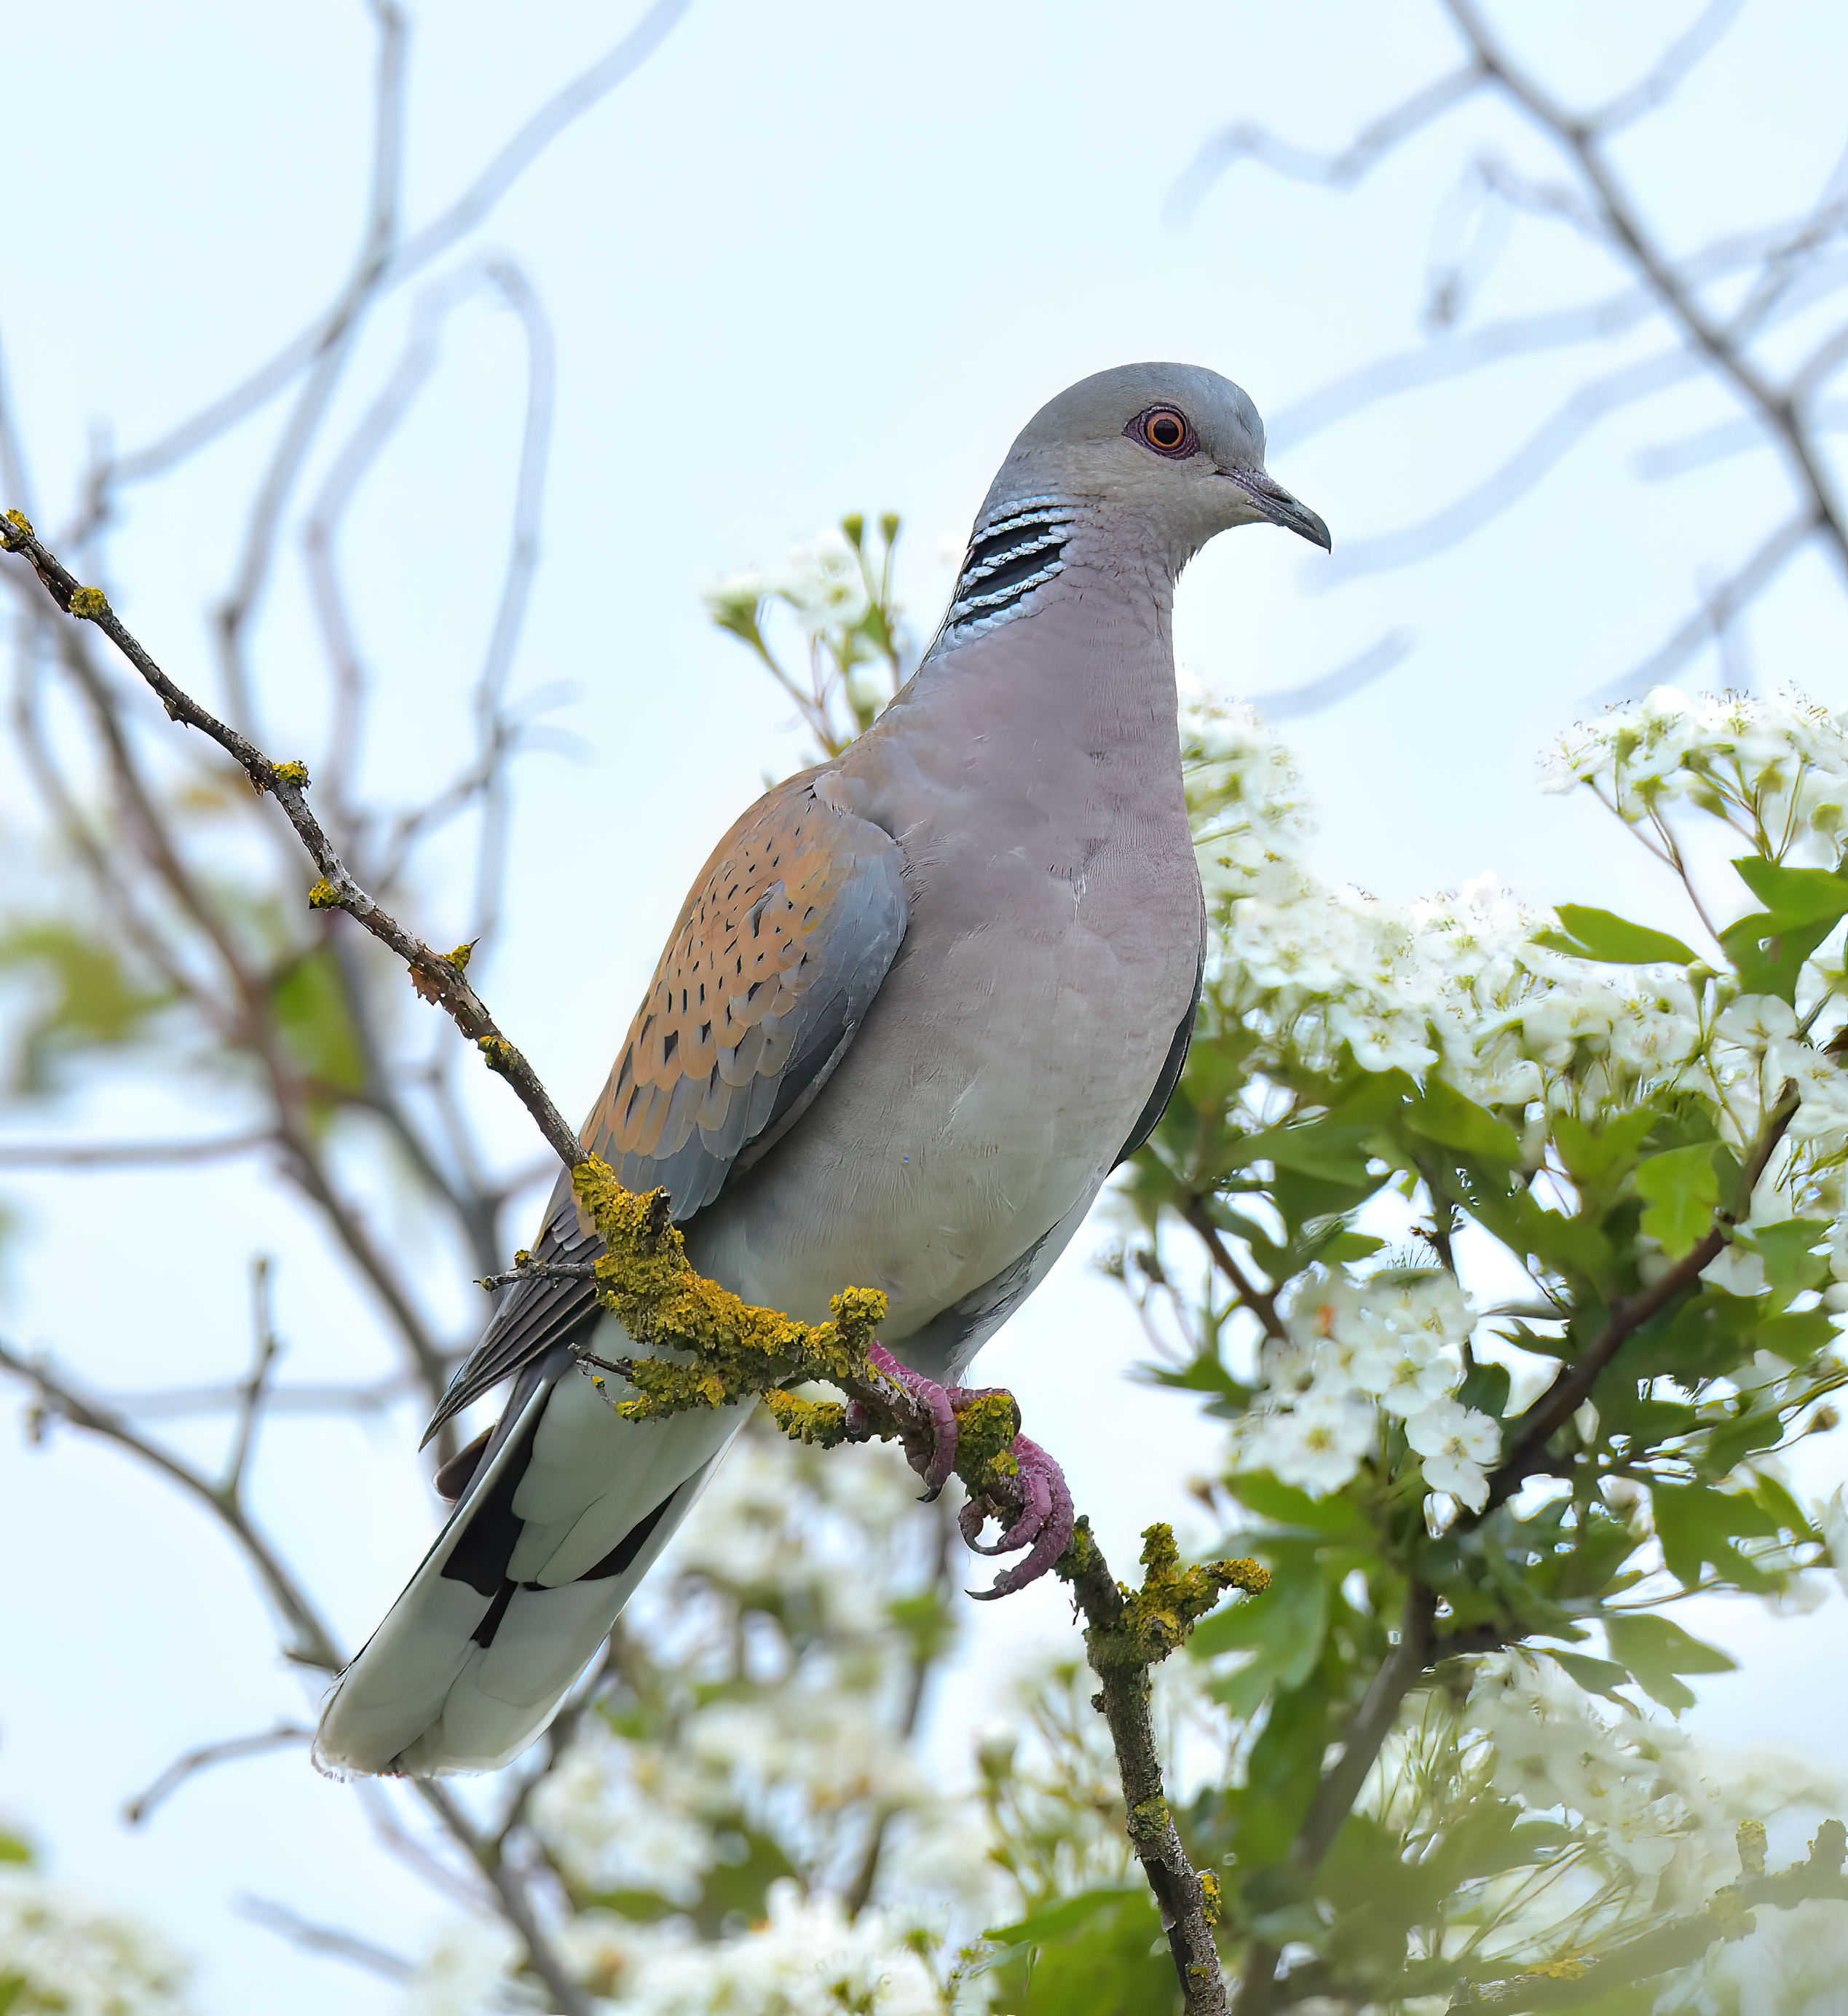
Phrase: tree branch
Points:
(438, 977)
(1127, 1633)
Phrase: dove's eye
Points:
(1165, 430)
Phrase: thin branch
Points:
(313, 1643)
(1261, 1301)
(253, 1391)
(515, 1900)
(1351, 164)
(1572, 1387)
(1126, 1634)
(418, 251)
(127, 1154)
(1579, 140)
(182, 1767)
(440, 979)
(327, 1939)
(1679, 1943)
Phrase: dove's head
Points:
(1176, 448)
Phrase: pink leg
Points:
(1034, 1506)
(1044, 1520)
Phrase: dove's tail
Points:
(565, 1513)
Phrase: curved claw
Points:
(1046, 1519)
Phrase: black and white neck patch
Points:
(1020, 548)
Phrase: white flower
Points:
(1453, 1443)
(1413, 1380)
(1317, 1444)
(60, 1952)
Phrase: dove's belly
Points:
(995, 1081)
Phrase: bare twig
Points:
(328, 1939)
(313, 1642)
(127, 1154)
(281, 1737)
(1680, 1942)
(515, 1900)
(440, 978)
(1127, 1633)
(1580, 139)
(1261, 1301)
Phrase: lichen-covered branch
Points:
(440, 977)
(1128, 1632)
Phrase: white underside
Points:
(422, 1696)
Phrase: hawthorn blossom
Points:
(1454, 1444)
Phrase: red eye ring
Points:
(1166, 429)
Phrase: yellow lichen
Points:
(22, 530)
(1212, 1897)
(1751, 1843)
(821, 1422)
(323, 896)
(89, 602)
(292, 773)
(1160, 1615)
(461, 955)
(739, 1352)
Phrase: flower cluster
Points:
(1776, 771)
(59, 1952)
(1662, 1811)
(821, 582)
(805, 1958)
(1356, 1350)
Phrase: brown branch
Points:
(314, 1644)
(1261, 1301)
(1127, 1633)
(438, 977)
(1578, 138)
(127, 1154)
(206, 1755)
(1572, 1387)
(515, 1900)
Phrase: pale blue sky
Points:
(812, 258)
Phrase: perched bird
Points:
(919, 1003)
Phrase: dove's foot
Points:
(1039, 1501)
(1030, 1501)
(930, 1450)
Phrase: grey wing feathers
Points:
(776, 958)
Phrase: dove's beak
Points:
(1276, 503)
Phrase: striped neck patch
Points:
(1019, 550)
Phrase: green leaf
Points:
(1596, 1676)
(1594, 1161)
(311, 1013)
(13, 1849)
(1445, 1117)
(1797, 1335)
(1654, 1651)
(1791, 1263)
(1795, 896)
(1601, 934)
(1768, 955)
(1284, 1505)
(1337, 1154)
(1109, 1956)
(1682, 1188)
(1284, 1626)
(1054, 1920)
(95, 1002)
(1696, 1524)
